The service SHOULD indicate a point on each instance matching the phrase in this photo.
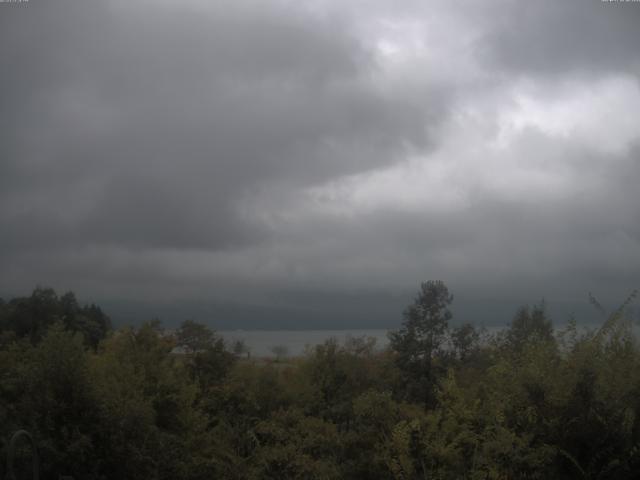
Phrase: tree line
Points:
(440, 402)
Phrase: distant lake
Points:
(260, 342)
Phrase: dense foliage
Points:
(152, 404)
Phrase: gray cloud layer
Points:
(319, 156)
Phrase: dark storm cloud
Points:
(319, 159)
(143, 124)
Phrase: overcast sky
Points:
(312, 161)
